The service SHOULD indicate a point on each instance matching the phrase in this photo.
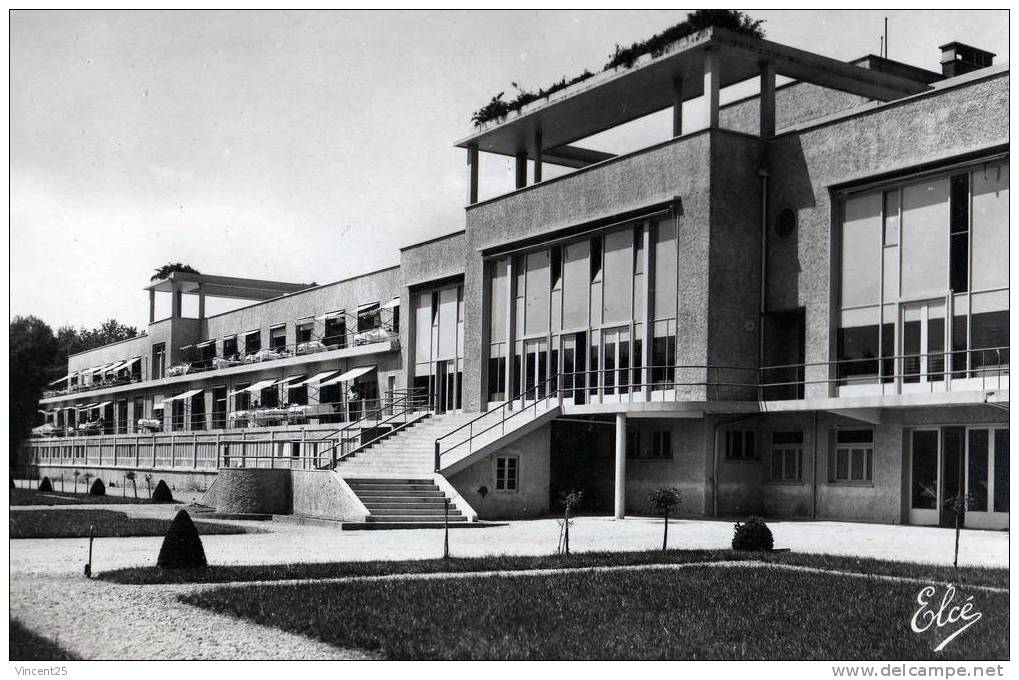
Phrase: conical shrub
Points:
(45, 484)
(98, 488)
(182, 547)
(162, 493)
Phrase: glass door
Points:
(986, 473)
(535, 369)
(615, 366)
(922, 346)
(441, 387)
(925, 447)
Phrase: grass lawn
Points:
(28, 646)
(36, 497)
(108, 523)
(698, 613)
(275, 572)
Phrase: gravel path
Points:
(98, 620)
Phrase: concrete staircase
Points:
(402, 504)
(407, 454)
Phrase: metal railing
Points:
(393, 416)
(981, 369)
(542, 392)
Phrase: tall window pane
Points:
(924, 242)
(665, 299)
(861, 243)
(990, 227)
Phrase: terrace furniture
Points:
(179, 369)
(310, 347)
(370, 336)
(150, 424)
(224, 362)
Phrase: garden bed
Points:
(36, 497)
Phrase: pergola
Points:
(695, 67)
(202, 285)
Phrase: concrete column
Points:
(472, 171)
(767, 99)
(511, 290)
(537, 156)
(152, 306)
(647, 335)
(620, 466)
(201, 302)
(177, 303)
(677, 107)
(712, 75)
(521, 169)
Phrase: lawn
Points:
(74, 523)
(36, 497)
(696, 613)
(275, 572)
(28, 646)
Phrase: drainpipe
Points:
(714, 462)
(764, 174)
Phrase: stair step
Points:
(416, 518)
(359, 481)
(394, 487)
(366, 495)
(407, 512)
(398, 501)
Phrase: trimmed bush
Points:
(98, 488)
(753, 535)
(182, 547)
(45, 484)
(162, 493)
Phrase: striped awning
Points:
(255, 387)
(349, 376)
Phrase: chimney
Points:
(957, 59)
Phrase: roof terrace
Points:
(178, 284)
(694, 68)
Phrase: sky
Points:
(300, 146)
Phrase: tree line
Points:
(39, 356)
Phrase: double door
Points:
(956, 462)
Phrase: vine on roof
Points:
(626, 57)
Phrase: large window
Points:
(278, 337)
(252, 342)
(925, 259)
(852, 460)
(335, 331)
(158, 360)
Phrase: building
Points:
(795, 305)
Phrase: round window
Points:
(785, 223)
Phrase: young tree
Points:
(664, 500)
(958, 504)
(76, 475)
(132, 477)
(148, 484)
(569, 502)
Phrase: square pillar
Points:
(712, 76)
(152, 306)
(677, 107)
(521, 169)
(472, 172)
(177, 303)
(511, 295)
(620, 505)
(767, 99)
(201, 302)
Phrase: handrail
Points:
(536, 389)
(410, 404)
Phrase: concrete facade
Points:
(689, 374)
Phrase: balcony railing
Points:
(275, 353)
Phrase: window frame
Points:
(745, 436)
(785, 449)
(502, 464)
(850, 449)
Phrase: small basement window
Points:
(741, 445)
(506, 473)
